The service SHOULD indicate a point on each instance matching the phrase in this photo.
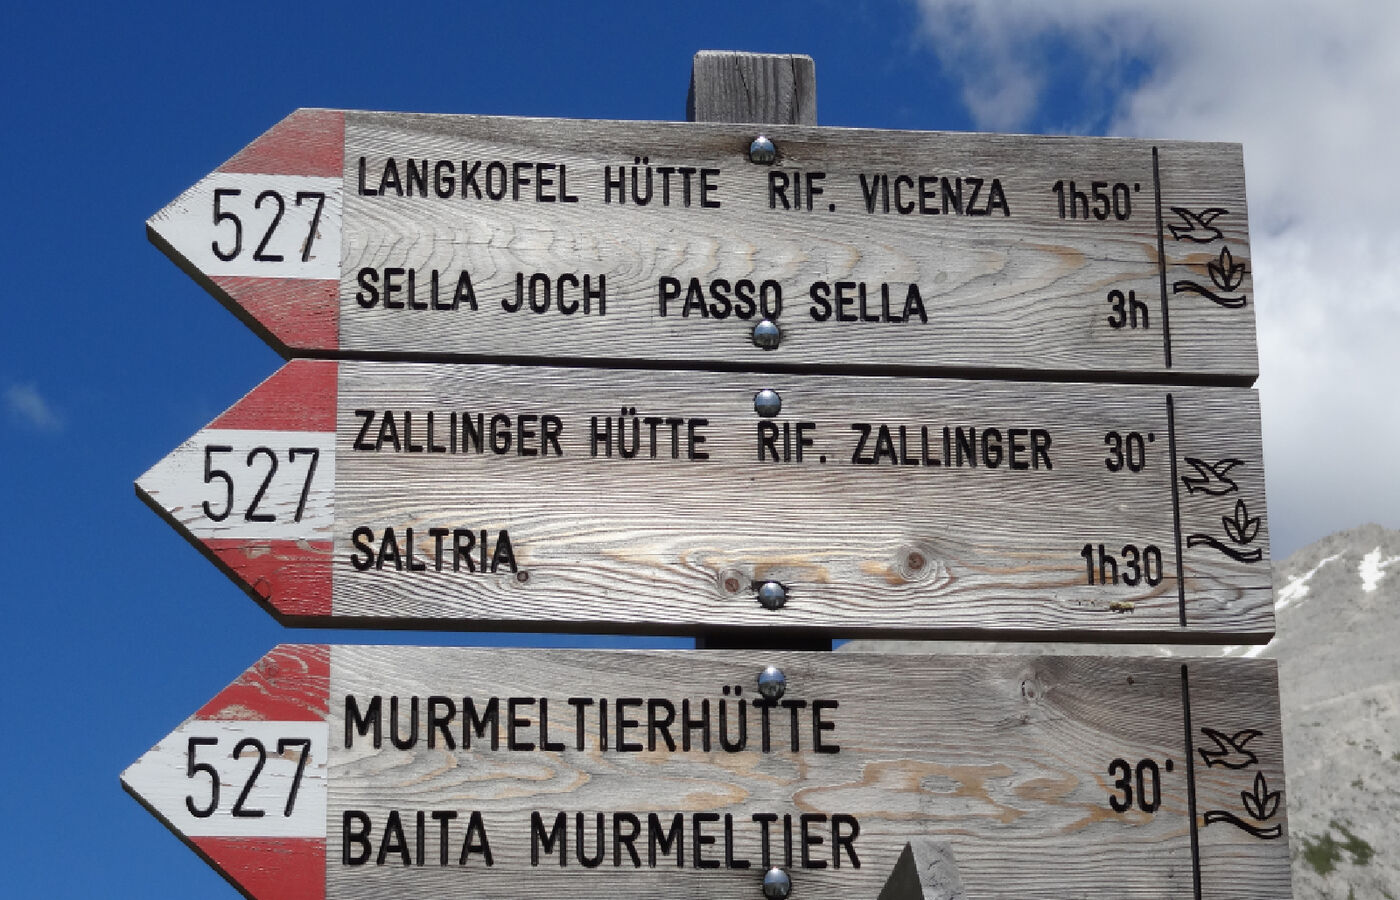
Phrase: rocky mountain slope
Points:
(1338, 650)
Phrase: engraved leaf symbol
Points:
(1242, 528)
(1262, 803)
(1225, 272)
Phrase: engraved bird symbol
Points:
(1213, 478)
(1198, 228)
(1230, 751)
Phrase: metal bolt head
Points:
(766, 334)
(772, 683)
(762, 151)
(776, 884)
(772, 595)
(767, 403)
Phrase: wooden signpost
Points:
(374, 493)
(549, 240)
(355, 772)
(747, 446)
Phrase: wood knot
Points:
(731, 581)
(916, 563)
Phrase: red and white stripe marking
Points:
(280, 854)
(276, 543)
(265, 229)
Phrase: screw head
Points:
(762, 151)
(766, 335)
(767, 403)
(776, 884)
(772, 595)
(772, 683)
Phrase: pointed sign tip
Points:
(282, 279)
(276, 543)
(277, 711)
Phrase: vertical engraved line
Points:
(1162, 261)
(1176, 512)
(1191, 784)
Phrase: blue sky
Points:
(112, 356)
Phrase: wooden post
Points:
(770, 89)
(766, 88)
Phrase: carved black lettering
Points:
(844, 841)
(1040, 448)
(976, 185)
(504, 554)
(355, 723)
(869, 191)
(368, 294)
(441, 712)
(479, 725)
(540, 841)
(626, 838)
(884, 446)
(389, 551)
(394, 841)
(389, 178)
(695, 300)
(928, 195)
(1015, 457)
(900, 206)
(668, 288)
(550, 428)
(496, 180)
(358, 834)
(700, 840)
(465, 293)
(914, 305)
(665, 840)
(778, 189)
(463, 542)
(367, 421)
(417, 177)
(820, 293)
(469, 180)
(863, 429)
(411, 739)
(363, 558)
(365, 190)
(721, 306)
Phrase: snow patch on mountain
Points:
(1373, 568)
(1297, 587)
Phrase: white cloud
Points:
(26, 403)
(1310, 90)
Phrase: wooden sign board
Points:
(352, 772)
(476, 496)
(509, 239)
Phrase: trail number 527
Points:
(269, 206)
(258, 456)
(246, 746)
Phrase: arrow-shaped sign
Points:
(505, 239)
(373, 493)
(343, 772)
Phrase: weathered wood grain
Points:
(869, 531)
(1028, 291)
(766, 88)
(1014, 764)
(753, 87)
